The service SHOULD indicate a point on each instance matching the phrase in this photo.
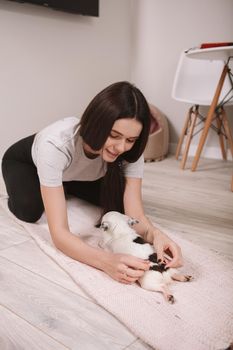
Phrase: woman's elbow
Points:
(59, 237)
(64, 241)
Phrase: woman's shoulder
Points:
(58, 137)
(60, 131)
(61, 125)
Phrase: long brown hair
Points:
(117, 101)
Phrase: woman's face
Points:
(122, 137)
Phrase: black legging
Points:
(23, 186)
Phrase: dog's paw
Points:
(170, 299)
(188, 278)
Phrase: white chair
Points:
(195, 83)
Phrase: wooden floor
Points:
(38, 313)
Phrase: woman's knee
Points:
(29, 213)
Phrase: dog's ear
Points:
(132, 221)
(104, 225)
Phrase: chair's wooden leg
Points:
(221, 138)
(189, 138)
(183, 133)
(227, 130)
(209, 118)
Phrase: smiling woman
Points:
(120, 140)
(98, 158)
(123, 136)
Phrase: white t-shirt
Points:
(58, 154)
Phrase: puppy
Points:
(120, 237)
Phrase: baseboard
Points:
(211, 152)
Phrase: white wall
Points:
(52, 63)
(161, 30)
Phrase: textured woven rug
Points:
(200, 319)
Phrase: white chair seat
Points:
(196, 80)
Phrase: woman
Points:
(99, 159)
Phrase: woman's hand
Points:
(167, 247)
(125, 268)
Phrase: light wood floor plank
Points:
(199, 205)
(29, 256)
(11, 232)
(16, 334)
(75, 322)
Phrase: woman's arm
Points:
(114, 265)
(134, 208)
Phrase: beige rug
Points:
(200, 319)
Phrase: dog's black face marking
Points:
(139, 240)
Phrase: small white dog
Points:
(120, 237)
